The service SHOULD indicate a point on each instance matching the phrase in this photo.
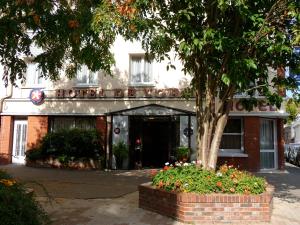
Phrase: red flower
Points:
(166, 167)
(219, 184)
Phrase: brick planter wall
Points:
(196, 208)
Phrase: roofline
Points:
(119, 112)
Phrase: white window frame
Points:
(33, 79)
(241, 150)
(142, 83)
(88, 82)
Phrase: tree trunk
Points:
(211, 124)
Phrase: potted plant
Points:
(120, 150)
(182, 153)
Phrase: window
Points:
(34, 75)
(140, 70)
(86, 77)
(70, 122)
(232, 139)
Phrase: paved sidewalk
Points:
(115, 201)
(74, 184)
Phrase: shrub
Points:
(16, 206)
(69, 144)
(192, 178)
(120, 150)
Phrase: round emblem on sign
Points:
(188, 132)
(37, 96)
(117, 130)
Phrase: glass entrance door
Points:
(268, 149)
(19, 144)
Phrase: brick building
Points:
(142, 101)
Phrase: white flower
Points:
(193, 162)
(186, 164)
(186, 184)
(178, 164)
(166, 164)
(219, 174)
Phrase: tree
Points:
(228, 47)
(61, 28)
(292, 107)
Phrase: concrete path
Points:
(120, 206)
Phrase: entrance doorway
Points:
(19, 141)
(159, 137)
(268, 150)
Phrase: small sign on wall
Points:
(188, 132)
(37, 96)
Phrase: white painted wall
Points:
(296, 131)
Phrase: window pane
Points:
(136, 69)
(60, 123)
(92, 77)
(267, 134)
(33, 74)
(267, 160)
(82, 75)
(231, 142)
(85, 123)
(147, 71)
(140, 70)
(233, 126)
(66, 123)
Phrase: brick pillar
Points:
(252, 142)
(280, 140)
(37, 129)
(101, 125)
(101, 128)
(6, 139)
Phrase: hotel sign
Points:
(236, 106)
(119, 93)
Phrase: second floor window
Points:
(140, 70)
(86, 76)
(34, 75)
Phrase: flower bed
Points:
(219, 196)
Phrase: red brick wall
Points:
(37, 129)
(101, 128)
(6, 137)
(252, 142)
(101, 124)
(196, 208)
(280, 140)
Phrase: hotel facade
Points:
(141, 101)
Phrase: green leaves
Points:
(64, 33)
(250, 64)
(225, 78)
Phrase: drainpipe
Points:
(8, 95)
